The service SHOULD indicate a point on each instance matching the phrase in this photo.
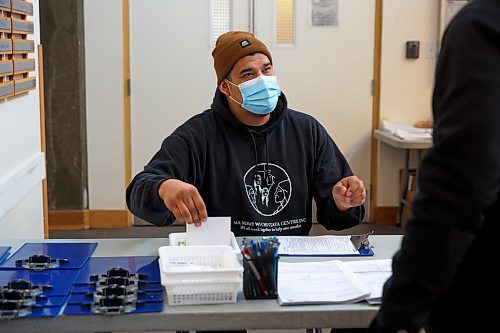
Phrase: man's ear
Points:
(224, 88)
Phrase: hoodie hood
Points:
(222, 110)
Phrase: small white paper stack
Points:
(214, 231)
(406, 132)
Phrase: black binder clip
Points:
(14, 303)
(118, 272)
(40, 262)
(117, 291)
(130, 285)
(112, 305)
(16, 296)
(361, 242)
(26, 287)
(10, 310)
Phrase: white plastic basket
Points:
(179, 239)
(213, 292)
(200, 274)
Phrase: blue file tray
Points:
(78, 309)
(150, 296)
(100, 265)
(77, 254)
(60, 280)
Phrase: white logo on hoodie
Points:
(268, 188)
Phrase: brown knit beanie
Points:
(231, 47)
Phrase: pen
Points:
(255, 271)
(264, 262)
(267, 262)
(254, 248)
(275, 260)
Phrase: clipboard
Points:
(85, 288)
(52, 301)
(78, 309)
(4, 253)
(60, 281)
(148, 297)
(75, 255)
(40, 311)
(325, 246)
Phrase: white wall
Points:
(19, 142)
(171, 70)
(406, 84)
(104, 98)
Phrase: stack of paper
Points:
(325, 282)
(332, 282)
(372, 274)
(406, 132)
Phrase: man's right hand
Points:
(184, 201)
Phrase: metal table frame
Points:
(407, 145)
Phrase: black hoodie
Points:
(263, 177)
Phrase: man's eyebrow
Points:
(246, 70)
(250, 69)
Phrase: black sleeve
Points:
(330, 166)
(176, 160)
(459, 176)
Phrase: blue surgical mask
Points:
(260, 95)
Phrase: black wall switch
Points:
(412, 49)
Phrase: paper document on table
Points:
(325, 282)
(327, 245)
(214, 231)
(372, 274)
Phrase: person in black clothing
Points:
(442, 275)
(249, 157)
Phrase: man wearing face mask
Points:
(234, 158)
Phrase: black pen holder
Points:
(260, 278)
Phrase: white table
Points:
(249, 314)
